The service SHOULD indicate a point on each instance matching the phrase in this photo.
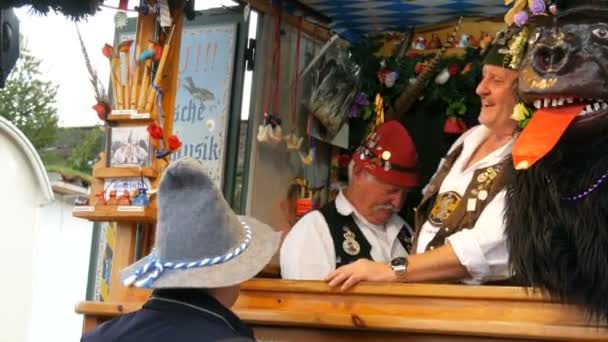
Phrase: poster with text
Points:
(204, 87)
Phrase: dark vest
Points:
(349, 242)
(484, 186)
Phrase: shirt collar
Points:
(198, 298)
(477, 136)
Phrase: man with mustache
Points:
(459, 222)
(362, 222)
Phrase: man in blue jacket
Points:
(202, 253)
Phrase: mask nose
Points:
(552, 54)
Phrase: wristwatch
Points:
(399, 266)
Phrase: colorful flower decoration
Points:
(102, 109)
(174, 143)
(537, 7)
(522, 114)
(156, 132)
(360, 101)
(123, 47)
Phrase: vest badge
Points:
(350, 245)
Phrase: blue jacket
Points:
(174, 315)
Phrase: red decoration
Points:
(102, 109)
(454, 125)
(174, 143)
(155, 131)
(107, 50)
(124, 46)
(467, 68)
(420, 67)
(453, 69)
(343, 160)
(158, 52)
(382, 74)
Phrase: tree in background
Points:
(29, 102)
(86, 152)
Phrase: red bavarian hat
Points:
(390, 155)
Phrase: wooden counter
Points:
(282, 310)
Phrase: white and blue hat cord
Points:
(148, 273)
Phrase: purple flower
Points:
(360, 100)
(538, 7)
(521, 18)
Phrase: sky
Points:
(54, 40)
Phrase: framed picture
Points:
(129, 146)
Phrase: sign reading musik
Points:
(202, 102)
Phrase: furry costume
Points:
(557, 209)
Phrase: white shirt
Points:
(482, 248)
(308, 250)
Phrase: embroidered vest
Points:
(484, 186)
(349, 242)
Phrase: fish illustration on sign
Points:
(198, 93)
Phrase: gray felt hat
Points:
(200, 242)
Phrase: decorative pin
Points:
(350, 245)
(386, 155)
(482, 178)
(387, 166)
(471, 204)
(482, 195)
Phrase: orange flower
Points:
(174, 143)
(155, 131)
(125, 46)
(107, 50)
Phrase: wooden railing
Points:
(281, 310)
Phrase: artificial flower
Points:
(453, 69)
(174, 143)
(537, 7)
(521, 18)
(107, 50)
(155, 131)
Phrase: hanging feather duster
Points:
(100, 93)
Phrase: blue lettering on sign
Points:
(191, 112)
(205, 150)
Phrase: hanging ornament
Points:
(443, 77)
(464, 41)
(293, 142)
(308, 159)
(391, 78)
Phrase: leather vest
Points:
(349, 242)
(463, 213)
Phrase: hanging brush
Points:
(103, 104)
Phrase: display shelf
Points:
(124, 172)
(116, 213)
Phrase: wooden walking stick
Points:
(152, 93)
(145, 83)
(125, 47)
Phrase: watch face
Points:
(398, 261)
